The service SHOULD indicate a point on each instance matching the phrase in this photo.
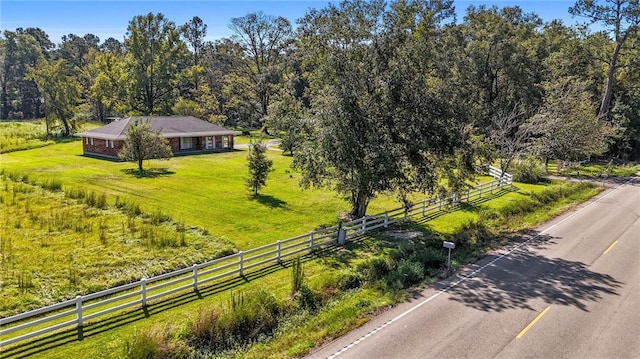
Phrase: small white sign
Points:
(449, 245)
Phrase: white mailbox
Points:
(449, 245)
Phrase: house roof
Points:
(169, 126)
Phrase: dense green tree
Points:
(60, 92)
(154, 50)
(19, 96)
(40, 36)
(75, 49)
(259, 167)
(380, 124)
(620, 18)
(144, 143)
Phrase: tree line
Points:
(369, 96)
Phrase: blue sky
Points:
(110, 18)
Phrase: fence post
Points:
(195, 277)
(480, 191)
(279, 246)
(491, 187)
(440, 204)
(364, 224)
(143, 291)
(424, 206)
(241, 263)
(386, 219)
(79, 310)
(310, 240)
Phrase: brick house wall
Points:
(99, 147)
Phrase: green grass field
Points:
(208, 192)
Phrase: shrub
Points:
(409, 273)
(376, 268)
(349, 280)
(308, 299)
(248, 317)
(527, 171)
(472, 233)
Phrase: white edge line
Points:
(464, 278)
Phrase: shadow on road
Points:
(524, 275)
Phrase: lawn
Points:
(207, 191)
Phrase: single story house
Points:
(186, 134)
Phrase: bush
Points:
(375, 268)
(349, 280)
(527, 171)
(247, 318)
(308, 299)
(472, 233)
(409, 273)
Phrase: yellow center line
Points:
(611, 246)
(533, 322)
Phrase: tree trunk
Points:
(140, 164)
(611, 72)
(359, 204)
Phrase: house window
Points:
(186, 143)
(88, 140)
(110, 143)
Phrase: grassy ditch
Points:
(56, 245)
(353, 288)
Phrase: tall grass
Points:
(55, 245)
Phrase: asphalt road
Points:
(571, 290)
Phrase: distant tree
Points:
(194, 32)
(288, 119)
(565, 127)
(508, 135)
(113, 46)
(143, 143)
(19, 96)
(60, 92)
(264, 40)
(259, 166)
(104, 72)
(620, 18)
(154, 51)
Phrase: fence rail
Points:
(75, 312)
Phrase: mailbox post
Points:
(450, 246)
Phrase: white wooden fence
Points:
(78, 311)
